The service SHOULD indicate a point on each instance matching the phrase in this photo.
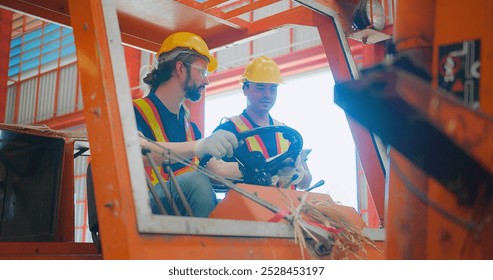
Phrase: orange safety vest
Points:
(255, 143)
(150, 114)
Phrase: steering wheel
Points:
(255, 168)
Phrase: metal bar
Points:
(38, 80)
(213, 3)
(147, 153)
(248, 8)
(344, 69)
(108, 120)
(5, 36)
(156, 197)
(178, 188)
(57, 79)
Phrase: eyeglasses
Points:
(202, 71)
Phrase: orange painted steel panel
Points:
(410, 30)
(132, 61)
(117, 217)
(283, 199)
(48, 251)
(5, 35)
(456, 22)
(472, 131)
(362, 138)
(65, 121)
(442, 137)
(405, 219)
(426, 222)
(246, 209)
(112, 177)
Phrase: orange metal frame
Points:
(447, 216)
(5, 33)
(109, 143)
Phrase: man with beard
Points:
(181, 73)
(259, 83)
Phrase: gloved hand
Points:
(285, 174)
(219, 144)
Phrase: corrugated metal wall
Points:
(68, 99)
(47, 87)
(42, 72)
(82, 233)
(10, 105)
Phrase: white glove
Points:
(219, 144)
(285, 175)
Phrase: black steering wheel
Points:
(256, 169)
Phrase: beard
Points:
(192, 91)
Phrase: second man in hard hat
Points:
(260, 81)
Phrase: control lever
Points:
(317, 185)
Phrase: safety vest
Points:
(255, 143)
(151, 116)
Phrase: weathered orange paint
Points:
(5, 35)
(111, 172)
(456, 22)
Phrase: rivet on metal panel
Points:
(451, 126)
(96, 111)
(434, 105)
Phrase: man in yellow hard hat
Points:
(260, 81)
(181, 73)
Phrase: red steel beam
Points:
(5, 35)
(363, 139)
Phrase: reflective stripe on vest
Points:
(255, 143)
(151, 116)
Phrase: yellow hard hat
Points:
(189, 41)
(262, 70)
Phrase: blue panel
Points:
(68, 50)
(15, 51)
(33, 34)
(33, 44)
(14, 61)
(52, 36)
(15, 42)
(30, 54)
(29, 64)
(14, 70)
(50, 27)
(49, 57)
(43, 45)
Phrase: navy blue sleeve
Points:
(196, 131)
(142, 125)
(228, 125)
